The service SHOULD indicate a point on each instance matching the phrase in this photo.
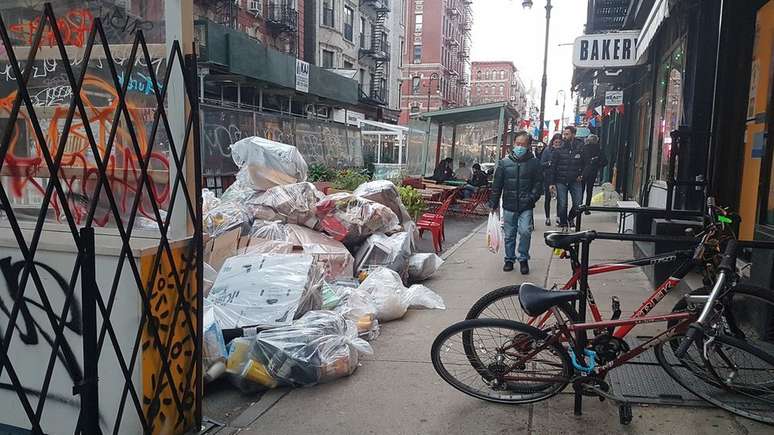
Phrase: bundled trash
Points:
(354, 305)
(265, 290)
(214, 348)
(226, 216)
(385, 193)
(319, 347)
(209, 200)
(241, 190)
(608, 197)
(423, 266)
(268, 163)
(392, 252)
(351, 219)
(392, 299)
(292, 203)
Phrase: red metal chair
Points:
(469, 206)
(434, 222)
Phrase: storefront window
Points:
(669, 110)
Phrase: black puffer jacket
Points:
(519, 181)
(566, 165)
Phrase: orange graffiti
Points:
(78, 170)
(74, 27)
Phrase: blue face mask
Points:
(519, 151)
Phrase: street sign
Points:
(302, 76)
(606, 50)
(613, 98)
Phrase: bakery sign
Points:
(604, 50)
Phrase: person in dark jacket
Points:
(518, 180)
(545, 161)
(565, 176)
(568, 135)
(594, 159)
(477, 179)
(443, 171)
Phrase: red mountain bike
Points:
(727, 358)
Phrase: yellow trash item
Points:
(256, 372)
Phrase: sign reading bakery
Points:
(604, 50)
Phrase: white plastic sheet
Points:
(209, 200)
(265, 289)
(494, 232)
(214, 348)
(392, 252)
(422, 266)
(392, 299)
(354, 305)
(226, 216)
(384, 192)
(269, 163)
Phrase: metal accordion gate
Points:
(100, 226)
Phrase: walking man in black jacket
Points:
(518, 180)
(594, 159)
(566, 175)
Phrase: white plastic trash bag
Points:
(494, 232)
(392, 252)
(422, 266)
(354, 305)
(269, 163)
(214, 347)
(392, 299)
(351, 219)
(385, 193)
(292, 203)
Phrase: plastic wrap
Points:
(269, 163)
(265, 289)
(384, 192)
(319, 347)
(392, 299)
(245, 368)
(494, 232)
(210, 275)
(209, 200)
(214, 348)
(241, 190)
(270, 230)
(351, 219)
(392, 252)
(226, 216)
(354, 305)
(422, 266)
(292, 203)
(331, 254)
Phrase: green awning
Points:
(470, 114)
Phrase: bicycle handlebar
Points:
(728, 260)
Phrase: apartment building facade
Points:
(498, 81)
(436, 58)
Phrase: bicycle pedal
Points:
(625, 414)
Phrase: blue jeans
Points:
(521, 224)
(576, 191)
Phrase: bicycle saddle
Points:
(536, 301)
(557, 239)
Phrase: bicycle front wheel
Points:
(509, 362)
(735, 375)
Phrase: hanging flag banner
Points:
(556, 123)
(548, 124)
(598, 109)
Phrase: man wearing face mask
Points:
(518, 180)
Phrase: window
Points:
(328, 12)
(327, 59)
(415, 109)
(478, 75)
(418, 23)
(349, 22)
(489, 75)
(348, 64)
(502, 74)
(502, 90)
(362, 78)
(417, 54)
(415, 81)
(362, 32)
(669, 110)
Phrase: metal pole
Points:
(88, 388)
(580, 339)
(544, 82)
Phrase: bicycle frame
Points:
(658, 294)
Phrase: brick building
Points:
(436, 58)
(497, 81)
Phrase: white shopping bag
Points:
(494, 232)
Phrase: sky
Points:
(503, 30)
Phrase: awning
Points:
(658, 14)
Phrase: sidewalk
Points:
(397, 391)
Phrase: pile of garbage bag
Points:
(297, 283)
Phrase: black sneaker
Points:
(558, 222)
(548, 222)
(508, 266)
(524, 267)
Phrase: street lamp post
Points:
(433, 76)
(564, 100)
(527, 4)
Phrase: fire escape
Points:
(463, 49)
(224, 12)
(378, 51)
(282, 21)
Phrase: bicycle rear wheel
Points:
(736, 375)
(503, 303)
(495, 372)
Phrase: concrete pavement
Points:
(397, 391)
